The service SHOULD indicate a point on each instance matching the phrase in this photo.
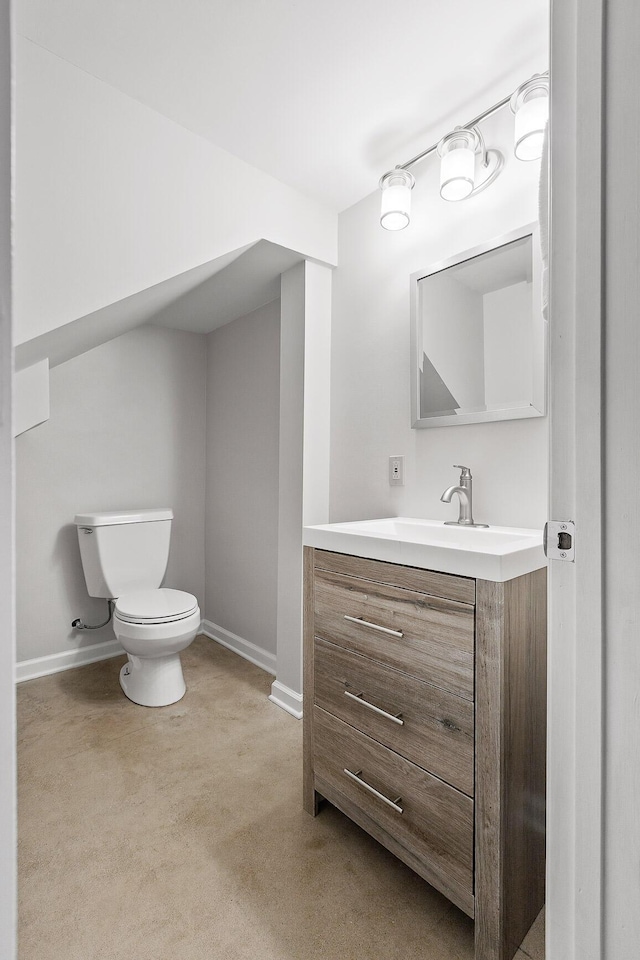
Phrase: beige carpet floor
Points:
(178, 834)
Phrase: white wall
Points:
(241, 518)
(305, 342)
(30, 396)
(370, 398)
(113, 197)
(127, 430)
(316, 399)
(7, 623)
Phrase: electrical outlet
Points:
(396, 471)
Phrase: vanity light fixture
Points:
(459, 149)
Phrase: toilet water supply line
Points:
(79, 625)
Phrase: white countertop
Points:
(493, 553)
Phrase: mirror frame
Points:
(538, 406)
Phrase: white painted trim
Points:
(57, 662)
(8, 819)
(244, 648)
(621, 512)
(286, 698)
(574, 915)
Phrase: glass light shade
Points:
(395, 208)
(457, 165)
(530, 104)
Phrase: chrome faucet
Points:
(465, 493)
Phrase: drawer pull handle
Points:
(359, 697)
(394, 804)
(375, 626)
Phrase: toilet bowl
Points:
(154, 626)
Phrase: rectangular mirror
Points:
(478, 337)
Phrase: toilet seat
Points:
(155, 606)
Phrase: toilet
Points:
(124, 557)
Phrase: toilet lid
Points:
(155, 606)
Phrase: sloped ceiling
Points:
(325, 96)
(246, 283)
(199, 300)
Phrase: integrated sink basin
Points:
(493, 553)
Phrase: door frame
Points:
(8, 831)
(576, 324)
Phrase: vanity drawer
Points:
(436, 584)
(426, 816)
(436, 729)
(427, 637)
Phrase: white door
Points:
(7, 640)
(593, 895)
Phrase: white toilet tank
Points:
(124, 551)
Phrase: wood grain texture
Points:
(462, 898)
(309, 797)
(438, 635)
(437, 821)
(525, 724)
(488, 859)
(410, 578)
(438, 728)
(489, 880)
(510, 762)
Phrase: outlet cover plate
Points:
(396, 471)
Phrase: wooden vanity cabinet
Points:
(424, 722)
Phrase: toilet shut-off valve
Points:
(79, 625)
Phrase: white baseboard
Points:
(286, 698)
(244, 648)
(57, 662)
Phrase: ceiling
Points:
(325, 95)
(248, 281)
(199, 300)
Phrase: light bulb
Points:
(530, 104)
(457, 164)
(395, 206)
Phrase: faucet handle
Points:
(465, 472)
